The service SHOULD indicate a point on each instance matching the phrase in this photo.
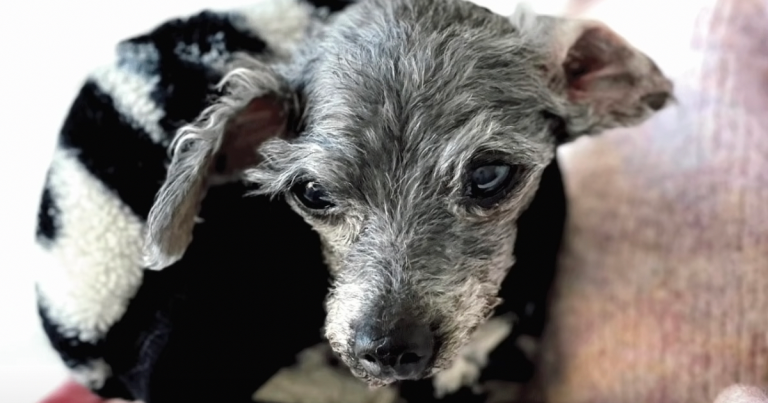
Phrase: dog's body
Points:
(212, 325)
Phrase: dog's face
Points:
(424, 128)
(421, 144)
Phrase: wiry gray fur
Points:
(170, 222)
(397, 98)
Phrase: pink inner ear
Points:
(263, 118)
(598, 62)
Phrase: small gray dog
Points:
(411, 135)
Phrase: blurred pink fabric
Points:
(72, 392)
(663, 294)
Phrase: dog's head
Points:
(410, 134)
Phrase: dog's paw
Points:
(468, 365)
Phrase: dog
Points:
(407, 147)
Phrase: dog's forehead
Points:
(397, 56)
(401, 94)
(389, 149)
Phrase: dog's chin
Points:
(377, 382)
(373, 382)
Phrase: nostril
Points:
(409, 358)
(402, 351)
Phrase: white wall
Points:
(47, 49)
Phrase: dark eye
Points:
(312, 195)
(489, 183)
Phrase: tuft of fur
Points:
(173, 215)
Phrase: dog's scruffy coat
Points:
(416, 137)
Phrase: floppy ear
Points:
(216, 149)
(600, 80)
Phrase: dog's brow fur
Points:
(395, 98)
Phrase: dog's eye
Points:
(312, 195)
(490, 177)
(488, 183)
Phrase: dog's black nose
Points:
(403, 352)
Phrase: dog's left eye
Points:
(488, 183)
(312, 195)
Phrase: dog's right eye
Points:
(312, 195)
(488, 184)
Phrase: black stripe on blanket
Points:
(125, 159)
(184, 47)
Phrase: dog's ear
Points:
(599, 79)
(214, 150)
